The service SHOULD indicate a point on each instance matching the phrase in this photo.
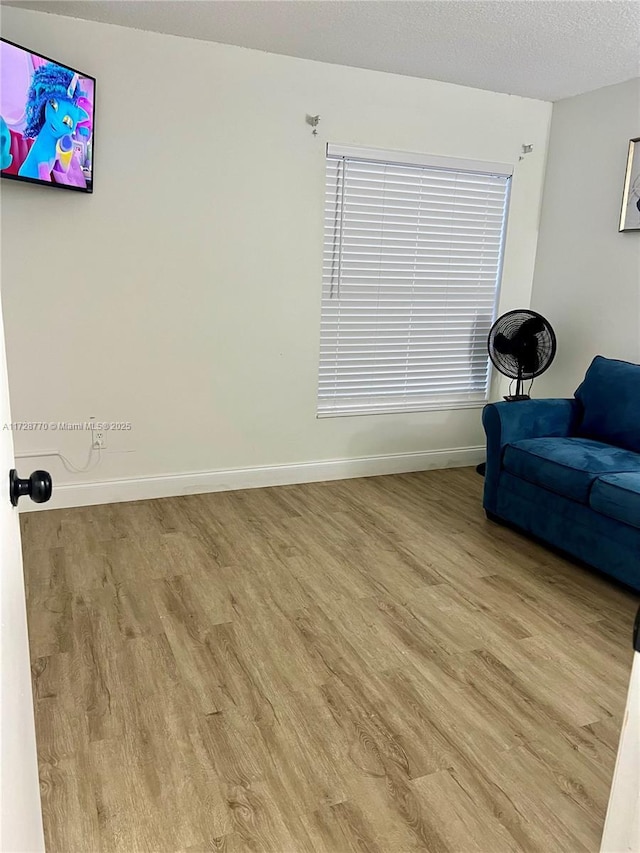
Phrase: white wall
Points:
(587, 278)
(184, 295)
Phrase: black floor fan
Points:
(521, 345)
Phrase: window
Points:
(412, 262)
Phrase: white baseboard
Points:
(170, 485)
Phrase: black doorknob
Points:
(38, 486)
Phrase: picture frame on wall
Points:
(630, 213)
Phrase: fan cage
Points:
(508, 325)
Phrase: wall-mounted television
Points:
(46, 120)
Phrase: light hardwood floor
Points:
(364, 665)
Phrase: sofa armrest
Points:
(509, 422)
(505, 423)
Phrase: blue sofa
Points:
(568, 471)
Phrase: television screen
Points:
(46, 120)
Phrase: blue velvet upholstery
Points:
(608, 545)
(551, 472)
(618, 496)
(567, 466)
(610, 398)
(506, 423)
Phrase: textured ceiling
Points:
(547, 49)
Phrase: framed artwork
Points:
(630, 213)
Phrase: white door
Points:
(20, 815)
(622, 826)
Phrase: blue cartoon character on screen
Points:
(54, 112)
(6, 157)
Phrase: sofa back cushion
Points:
(610, 398)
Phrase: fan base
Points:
(514, 398)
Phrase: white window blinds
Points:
(412, 261)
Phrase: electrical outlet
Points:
(98, 441)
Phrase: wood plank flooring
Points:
(359, 666)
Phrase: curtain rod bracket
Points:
(313, 121)
(526, 149)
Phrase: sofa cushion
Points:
(610, 398)
(618, 496)
(567, 466)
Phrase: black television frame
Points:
(53, 184)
